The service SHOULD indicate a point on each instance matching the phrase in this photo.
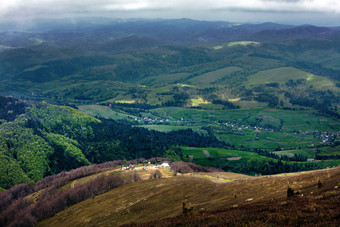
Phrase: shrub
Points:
(291, 192)
(185, 167)
(189, 209)
(156, 174)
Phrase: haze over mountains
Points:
(176, 30)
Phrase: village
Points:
(146, 166)
(325, 138)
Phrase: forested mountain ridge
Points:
(109, 59)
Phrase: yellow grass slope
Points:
(160, 198)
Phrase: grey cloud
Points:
(289, 1)
(231, 10)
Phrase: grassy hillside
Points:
(318, 208)
(162, 198)
(164, 78)
(104, 112)
(211, 77)
(284, 74)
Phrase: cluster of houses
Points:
(151, 120)
(157, 120)
(327, 138)
(244, 127)
(145, 167)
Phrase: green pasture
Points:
(169, 128)
(243, 43)
(104, 112)
(270, 140)
(329, 150)
(309, 153)
(218, 156)
(160, 94)
(164, 78)
(286, 120)
(284, 74)
(213, 76)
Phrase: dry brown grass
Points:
(162, 198)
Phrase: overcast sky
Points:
(317, 12)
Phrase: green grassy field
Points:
(217, 156)
(284, 74)
(164, 78)
(329, 150)
(289, 127)
(169, 128)
(243, 43)
(104, 112)
(287, 120)
(309, 153)
(210, 77)
(269, 140)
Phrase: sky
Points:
(296, 12)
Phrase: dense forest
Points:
(269, 167)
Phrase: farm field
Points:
(286, 120)
(310, 153)
(238, 160)
(329, 151)
(269, 140)
(217, 155)
(262, 128)
(169, 128)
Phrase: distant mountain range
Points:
(164, 31)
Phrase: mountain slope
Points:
(30, 148)
(156, 199)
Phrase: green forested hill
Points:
(47, 139)
(28, 143)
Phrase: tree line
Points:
(53, 200)
(113, 140)
(264, 167)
